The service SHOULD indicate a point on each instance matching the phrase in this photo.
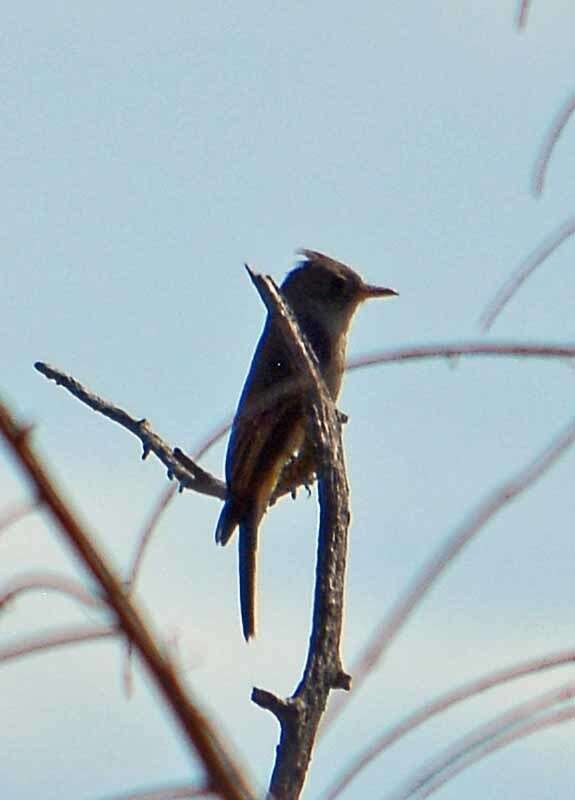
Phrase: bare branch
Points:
(452, 759)
(441, 704)
(224, 776)
(157, 511)
(166, 793)
(518, 278)
(516, 733)
(46, 581)
(466, 349)
(191, 476)
(553, 135)
(300, 715)
(61, 638)
(212, 438)
(15, 514)
(494, 502)
(522, 14)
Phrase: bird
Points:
(268, 433)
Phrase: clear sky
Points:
(148, 150)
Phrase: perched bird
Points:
(269, 430)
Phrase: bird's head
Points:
(328, 290)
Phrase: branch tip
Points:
(342, 681)
(276, 705)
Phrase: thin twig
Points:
(47, 581)
(518, 732)
(482, 736)
(520, 275)
(191, 476)
(48, 641)
(441, 704)
(224, 776)
(495, 501)
(553, 135)
(16, 513)
(522, 14)
(463, 349)
(166, 793)
(157, 511)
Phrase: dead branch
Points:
(454, 351)
(224, 776)
(189, 475)
(299, 716)
(553, 135)
(48, 641)
(525, 269)
(516, 733)
(47, 581)
(15, 514)
(522, 14)
(149, 528)
(166, 793)
(483, 739)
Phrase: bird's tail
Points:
(247, 564)
(228, 522)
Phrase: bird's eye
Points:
(337, 284)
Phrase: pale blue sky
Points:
(148, 151)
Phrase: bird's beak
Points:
(367, 291)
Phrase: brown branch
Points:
(15, 514)
(441, 704)
(224, 776)
(166, 793)
(189, 475)
(46, 581)
(481, 740)
(157, 511)
(522, 14)
(518, 732)
(466, 349)
(61, 638)
(300, 715)
(553, 135)
(528, 266)
(389, 627)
